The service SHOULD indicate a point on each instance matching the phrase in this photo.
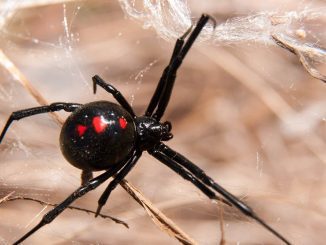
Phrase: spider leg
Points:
(175, 64)
(97, 80)
(172, 156)
(82, 190)
(162, 83)
(186, 175)
(86, 176)
(119, 177)
(17, 115)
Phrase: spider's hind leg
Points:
(97, 80)
(82, 190)
(17, 115)
(118, 178)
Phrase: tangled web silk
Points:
(171, 18)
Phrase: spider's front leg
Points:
(164, 89)
(162, 82)
(182, 166)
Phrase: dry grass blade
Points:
(19, 77)
(222, 239)
(159, 219)
(303, 55)
(5, 198)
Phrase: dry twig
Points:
(304, 54)
(8, 198)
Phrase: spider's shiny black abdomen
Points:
(97, 135)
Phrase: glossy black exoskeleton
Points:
(105, 136)
(97, 136)
(150, 132)
(101, 134)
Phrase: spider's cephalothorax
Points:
(105, 136)
(150, 132)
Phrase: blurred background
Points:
(247, 112)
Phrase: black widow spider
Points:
(102, 135)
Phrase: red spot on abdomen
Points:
(123, 123)
(99, 124)
(81, 129)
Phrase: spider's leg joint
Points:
(186, 33)
(211, 18)
(94, 83)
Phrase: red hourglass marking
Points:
(81, 129)
(99, 124)
(123, 123)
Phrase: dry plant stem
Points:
(9, 199)
(164, 223)
(5, 198)
(266, 93)
(220, 211)
(303, 59)
(19, 77)
(159, 219)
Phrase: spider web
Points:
(171, 19)
(255, 124)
